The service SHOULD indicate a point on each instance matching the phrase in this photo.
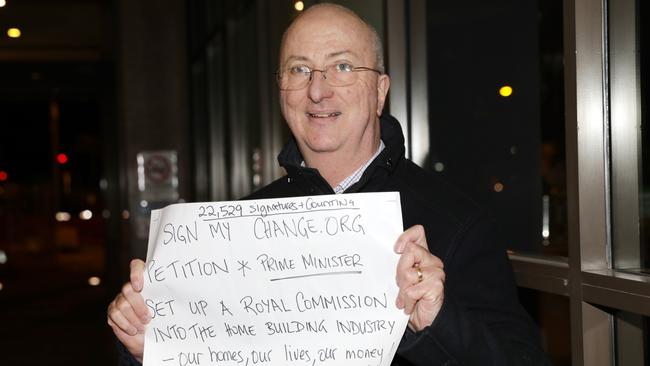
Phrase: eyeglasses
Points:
(340, 74)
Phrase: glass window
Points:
(644, 43)
(629, 139)
(631, 346)
(496, 113)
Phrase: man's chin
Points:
(322, 146)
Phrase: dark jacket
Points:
(481, 321)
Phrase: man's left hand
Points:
(420, 278)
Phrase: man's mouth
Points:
(323, 115)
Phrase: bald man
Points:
(454, 278)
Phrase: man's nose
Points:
(319, 88)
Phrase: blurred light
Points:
(125, 214)
(299, 5)
(1, 286)
(144, 203)
(94, 281)
(13, 33)
(439, 167)
(66, 179)
(86, 215)
(103, 184)
(106, 214)
(61, 158)
(55, 111)
(62, 216)
(91, 199)
(505, 91)
(513, 150)
(141, 178)
(3, 176)
(498, 187)
(3, 3)
(3, 257)
(546, 205)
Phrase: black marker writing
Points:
(295, 326)
(180, 234)
(283, 228)
(335, 302)
(220, 230)
(264, 306)
(160, 308)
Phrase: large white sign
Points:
(291, 281)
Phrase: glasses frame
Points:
(278, 76)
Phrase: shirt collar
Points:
(356, 175)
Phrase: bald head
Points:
(333, 15)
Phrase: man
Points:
(458, 286)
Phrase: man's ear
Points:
(383, 84)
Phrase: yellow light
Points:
(299, 5)
(2, 3)
(62, 216)
(13, 32)
(498, 187)
(94, 281)
(505, 91)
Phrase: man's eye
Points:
(344, 67)
(299, 70)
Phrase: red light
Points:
(62, 158)
(3, 176)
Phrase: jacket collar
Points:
(290, 159)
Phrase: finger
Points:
(129, 313)
(414, 234)
(407, 275)
(116, 318)
(137, 274)
(430, 290)
(135, 344)
(415, 256)
(405, 300)
(406, 263)
(411, 276)
(136, 302)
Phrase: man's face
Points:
(325, 118)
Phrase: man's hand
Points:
(128, 314)
(420, 278)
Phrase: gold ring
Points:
(419, 271)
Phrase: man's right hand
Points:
(128, 314)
